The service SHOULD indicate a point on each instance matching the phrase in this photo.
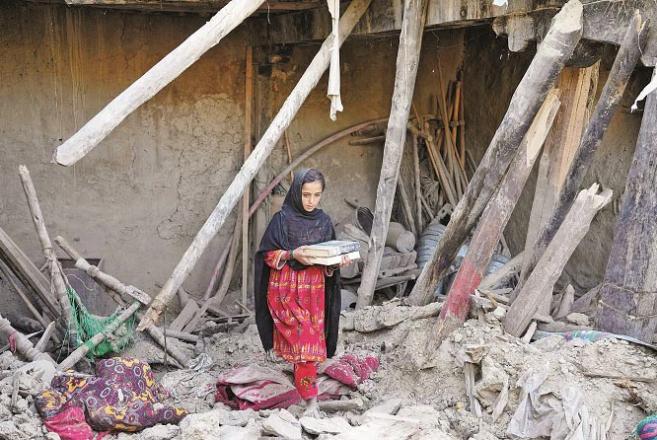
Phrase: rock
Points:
(499, 313)
(578, 319)
(425, 415)
(382, 427)
(333, 425)
(388, 407)
(9, 431)
(52, 436)
(433, 434)
(157, 432)
(250, 432)
(282, 424)
(200, 426)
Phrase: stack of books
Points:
(330, 253)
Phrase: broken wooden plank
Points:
(540, 283)
(157, 77)
(270, 138)
(492, 224)
(566, 303)
(185, 315)
(183, 336)
(610, 98)
(417, 185)
(539, 78)
(48, 333)
(408, 56)
(56, 275)
(577, 87)
(510, 269)
(628, 298)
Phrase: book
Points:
(334, 259)
(332, 248)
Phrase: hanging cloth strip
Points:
(333, 92)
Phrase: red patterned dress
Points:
(296, 303)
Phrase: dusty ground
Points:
(603, 389)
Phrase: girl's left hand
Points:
(345, 261)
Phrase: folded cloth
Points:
(70, 424)
(123, 396)
(259, 387)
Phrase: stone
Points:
(201, 426)
(157, 432)
(425, 415)
(9, 431)
(250, 432)
(282, 424)
(382, 427)
(333, 425)
(578, 319)
(52, 436)
(390, 406)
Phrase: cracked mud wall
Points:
(138, 199)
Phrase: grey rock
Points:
(282, 424)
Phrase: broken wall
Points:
(492, 74)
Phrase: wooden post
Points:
(492, 224)
(628, 298)
(542, 280)
(539, 78)
(48, 333)
(248, 122)
(269, 140)
(577, 87)
(418, 187)
(408, 56)
(56, 275)
(161, 74)
(23, 345)
(626, 59)
(114, 285)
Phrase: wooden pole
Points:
(542, 280)
(157, 77)
(6, 271)
(408, 56)
(628, 298)
(23, 344)
(56, 275)
(48, 333)
(553, 52)
(269, 140)
(626, 59)
(492, 224)
(418, 186)
(114, 285)
(248, 122)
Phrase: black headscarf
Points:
(290, 228)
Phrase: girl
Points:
(297, 304)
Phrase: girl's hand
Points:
(345, 261)
(299, 255)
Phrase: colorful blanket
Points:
(259, 387)
(122, 396)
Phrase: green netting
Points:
(87, 325)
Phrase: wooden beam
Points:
(267, 143)
(408, 57)
(628, 298)
(492, 224)
(542, 279)
(578, 88)
(157, 77)
(23, 345)
(539, 78)
(612, 93)
(248, 123)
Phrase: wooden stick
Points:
(408, 55)
(157, 77)
(23, 344)
(183, 336)
(626, 59)
(628, 298)
(418, 187)
(267, 143)
(492, 224)
(23, 295)
(542, 280)
(404, 198)
(114, 285)
(248, 122)
(45, 338)
(510, 268)
(217, 272)
(56, 275)
(539, 78)
(87, 346)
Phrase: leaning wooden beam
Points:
(48, 333)
(492, 224)
(23, 345)
(626, 59)
(248, 121)
(540, 283)
(408, 57)
(504, 273)
(267, 143)
(56, 275)
(9, 276)
(161, 74)
(628, 298)
(577, 87)
(119, 288)
(539, 78)
(89, 345)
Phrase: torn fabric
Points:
(333, 92)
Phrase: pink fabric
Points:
(70, 424)
(258, 387)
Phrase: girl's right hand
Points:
(299, 255)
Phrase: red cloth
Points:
(70, 424)
(351, 369)
(305, 379)
(296, 303)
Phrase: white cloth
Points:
(333, 92)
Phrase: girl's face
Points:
(311, 192)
